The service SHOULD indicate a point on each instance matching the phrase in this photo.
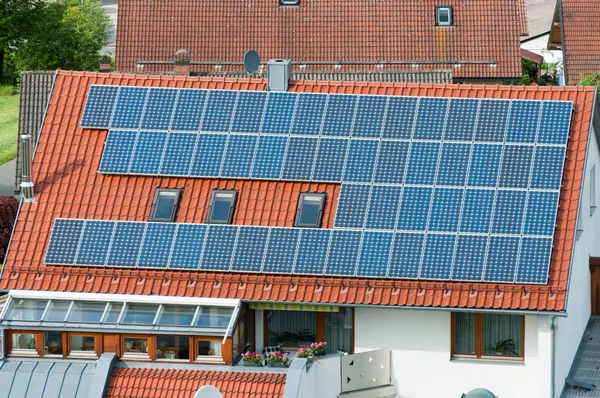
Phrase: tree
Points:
(590, 80)
(8, 214)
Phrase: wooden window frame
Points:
(97, 345)
(190, 342)
(479, 355)
(151, 348)
(226, 351)
(64, 345)
(33, 353)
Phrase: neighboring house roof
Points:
(169, 383)
(584, 370)
(326, 32)
(523, 17)
(35, 93)
(68, 184)
(539, 17)
(538, 59)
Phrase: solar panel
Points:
(469, 258)
(477, 210)
(501, 259)
(299, 158)
(360, 161)
(523, 121)
(352, 206)
(268, 159)
(491, 122)
(178, 153)
(117, 151)
(437, 256)
(462, 114)
(250, 249)
(208, 155)
(159, 109)
(554, 123)
(95, 241)
(218, 247)
(548, 167)
(218, 111)
(431, 117)
(453, 165)
(278, 113)
(541, 213)
(534, 260)
(370, 113)
(99, 106)
(126, 243)
(329, 163)
(308, 115)
(516, 166)
(238, 156)
(423, 163)
(391, 162)
(485, 162)
(187, 247)
(383, 207)
(445, 209)
(400, 117)
(249, 112)
(187, 115)
(339, 115)
(148, 152)
(406, 255)
(508, 212)
(281, 250)
(156, 248)
(343, 253)
(374, 254)
(414, 209)
(129, 108)
(312, 251)
(62, 247)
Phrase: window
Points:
(172, 315)
(113, 312)
(83, 346)
(288, 2)
(84, 311)
(208, 348)
(487, 336)
(53, 343)
(165, 204)
(24, 344)
(27, 310)
(310, 210)
(140, 314)
(173, 348)
(220, 210)
(214, 317)
(57, 311)
(592, 190)
(443, 16)
(135, 348)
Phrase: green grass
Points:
(9, 121)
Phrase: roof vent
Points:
(279, 72)
(27, 192)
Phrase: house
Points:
(365, 35)
(423, 230)
(540, 15)
(576, 31)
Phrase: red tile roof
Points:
(538, 59)
(169, 383)
(371, 31)
(68, 185)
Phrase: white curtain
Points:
(338, 330)
(464, 333)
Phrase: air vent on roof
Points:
(27, 192)
(279, 73)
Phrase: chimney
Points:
(279, 73)
(105, 64)
(27, 193)
(182, 62)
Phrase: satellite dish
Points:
(208, 392)
(479, 393)
(251, 61)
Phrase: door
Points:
(595, 280)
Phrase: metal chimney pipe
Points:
(27, 192)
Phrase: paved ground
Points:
(111, 8)
(7, 178)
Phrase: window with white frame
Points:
(593, 190)
(443, 16)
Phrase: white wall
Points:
(539, 46)
(421, 362)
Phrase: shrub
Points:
(8, 213)
(590, 80)
(252, 357)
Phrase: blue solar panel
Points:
(431, 116)
(508, 212)
(414, 209)
(453, 166)
(148, 152)
(187, 248)
(339, 115)
(208, 155)
(462, 114)
(541, 213)
(281, 250)
(95, 242)
(516, 166)
(129, 107)
(391, 162)
(383, 207)
(343, 253)
(445, 209)
(269, 157)
(329, 163)
(218, 111)
(188, 111)
(250, 249)
(309, 114)
(374, 254)
(477, 210)
(554, 124)
(159, 109)
(523, 121)
(360, 162)
(437, 257)
(469, 258)
(299, 158)
(370, 113)
(485, 162)
(125, 245)
(400, 117)
(312, 251)
(99, 107)
(279, 113)
(406, 255)
(178, 153)
(501, 259)
(548, 167)
(117, 151)
(218, 247)
(352, 206)
(64, 240)
(156, 248)
(423, 163)
(491, 123)
(534, 260)
(238, 156)
(249, 112)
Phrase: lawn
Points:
(9, 119)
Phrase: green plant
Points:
(590, 80)
(304, 352)
(9, 90)
(502, 347)
(252, 357)
(277, 357)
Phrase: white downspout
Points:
(552, 354)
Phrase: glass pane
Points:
(172, 347)
(464, 333)
(164, 205)
(221, 207)
(173, 315)
(113, 312)
(57, 311)
(23, 341)
(139, 314)
(311, 206)
(502, 335)
(338, 331)
(209, 348)
(443, 15)
(26, 310)
(214, 317)
(136, 345)
(83, 311)
(53, 343)
(292, 328)
(85, 344)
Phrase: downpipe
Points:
(552, 354)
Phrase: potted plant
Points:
(277, 360)
(318, 348)
(252, 359)
(503, 347)
(304, 352)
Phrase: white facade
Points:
(539, 45)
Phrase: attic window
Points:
(164, 206)
(288, 2)
(310, 210)
(443, 16)
(222, 204)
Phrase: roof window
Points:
(164, 206)
(443, 15)
(222, 204)
(310, 210)
(288, 2)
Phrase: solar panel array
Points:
(432, 188)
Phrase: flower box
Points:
(253, 364)
(276, 365)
